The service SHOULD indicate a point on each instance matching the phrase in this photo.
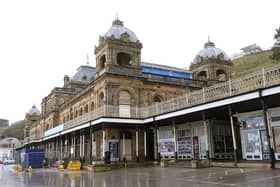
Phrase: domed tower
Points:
(211, 64)
(32, 116)
(118, 51)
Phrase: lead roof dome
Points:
(118, 28)
(210, 51)
(33, 111)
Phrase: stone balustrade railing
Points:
(260, 79)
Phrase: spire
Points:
(209, 44)
(87, 59)
(117, 21)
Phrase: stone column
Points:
(233, 135)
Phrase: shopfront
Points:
(275, 125)
(191, 141)
(253, 135)
(166, 143)
(221, 141)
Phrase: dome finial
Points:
(209, 44)
(87, 59)
(117, 21)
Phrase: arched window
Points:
(81, 111)
(75, 113)
(221, 75)
(71, 113)
(157, 99)
(92, 106)
(124, 104)
(123, 59)
(102, 61)
(86, 108)
(202, 75)
(101, 99)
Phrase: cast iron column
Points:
(206, 135)
(233, 135)
(268, 133)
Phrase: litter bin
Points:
(107, 157)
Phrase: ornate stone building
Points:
(123, 90)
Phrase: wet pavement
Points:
(143, 176)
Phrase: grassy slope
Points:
(15, 130)
(251, 63)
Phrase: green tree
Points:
(15, 130)
(276, 48)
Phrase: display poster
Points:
(184, 145)
(167, 145)
(195, 147)
(276, 131)
(253, 123)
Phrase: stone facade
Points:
(118, 82)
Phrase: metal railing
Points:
(260, 79)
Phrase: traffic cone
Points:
(29, 169)
(61, 168)
(19, 168)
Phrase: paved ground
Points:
(144, 177)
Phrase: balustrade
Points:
(260, 79)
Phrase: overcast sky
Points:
(41, 41)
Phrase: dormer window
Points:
(84, 77)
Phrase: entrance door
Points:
(114, 150)
(150, 145)
(252, 144)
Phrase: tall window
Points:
(101, 99)
(86, 108)
(157, 101)
(124, 104)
